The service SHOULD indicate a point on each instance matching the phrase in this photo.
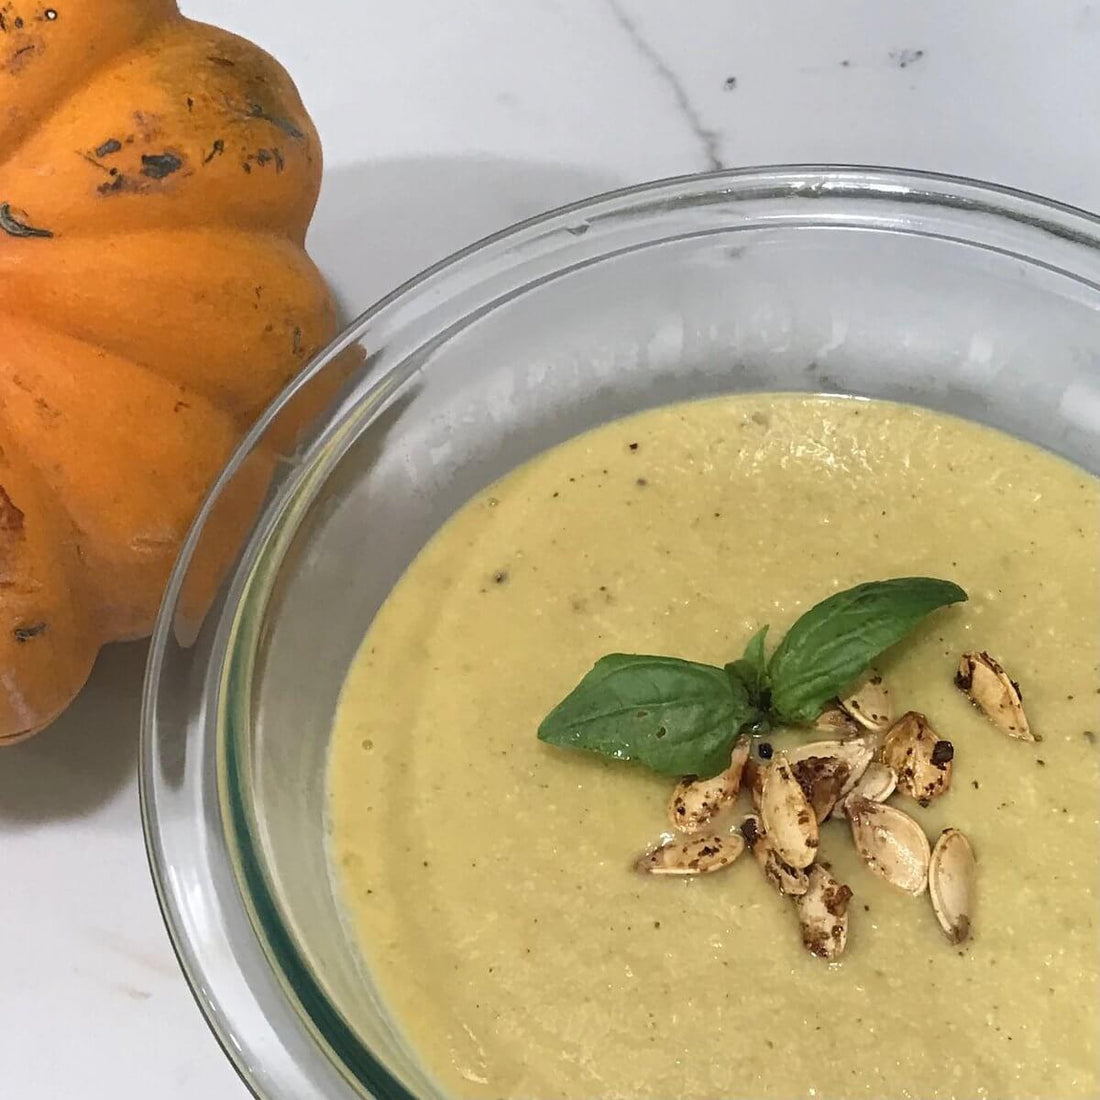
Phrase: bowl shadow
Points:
(88, 755)
(379, 223)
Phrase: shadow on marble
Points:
(379, 223)
(87, 756)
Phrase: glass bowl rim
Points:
(1058, 219)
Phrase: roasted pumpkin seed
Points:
(856, 753)
(835, 720)
(890, 842)
(952, 874)
(788, 818)
(994, 693)
(877, 783)
(753, 778)
(789, 881)
(693, 855)
(694, 802)
(822, 778)
(823, 914)
(919, 756)
(869, 702)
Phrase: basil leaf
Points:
(829, 646)
(676, 717)
(752, 667)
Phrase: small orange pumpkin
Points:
(157, 177)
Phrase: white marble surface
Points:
(442, 122)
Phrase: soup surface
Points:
(488, 876)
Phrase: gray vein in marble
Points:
(708, 139)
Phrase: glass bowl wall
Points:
(940, 292)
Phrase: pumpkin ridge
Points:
(143, 435)
(164, 136)
(257, 330)
(60, 94)
(240, 419)
(44, 615)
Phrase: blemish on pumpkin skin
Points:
(24, 634)
(158, 165)
(93, 162)
(216, 150)
(119, 183)
(148, 125)
(17, 226)
(225, 62)
(20, 58)
(11, 517)
(296, 343)
(255, 110)
(22, 586)
(263, 157)
(111, 145)
(154, 544)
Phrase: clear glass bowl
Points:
(941, 292)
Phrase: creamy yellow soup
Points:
(488, 876)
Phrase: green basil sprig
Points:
(679, 717)
(837, 639)
(673, 716)
(752, 668)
